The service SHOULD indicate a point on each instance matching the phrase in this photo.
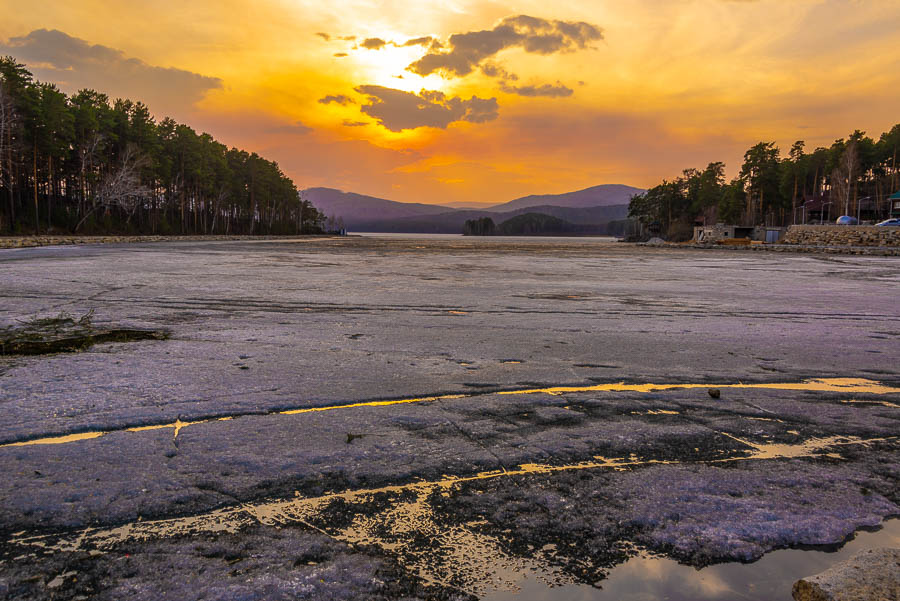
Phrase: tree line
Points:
(83, 164)
(854, 176)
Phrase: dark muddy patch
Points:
(259, 563)
(66, 334)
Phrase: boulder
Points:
(872, 575)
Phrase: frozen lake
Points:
(412, 416)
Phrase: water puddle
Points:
(848, 385)
(644, 578)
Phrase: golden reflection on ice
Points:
(858, 385)
(849, 385)
(177, 425)
(885, 403)
(299, 509)
(425, 399)
(57, 439)
(807, 448)
(458, 555)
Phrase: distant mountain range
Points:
(595, 206)
(607, 195)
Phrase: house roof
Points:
(895, 196)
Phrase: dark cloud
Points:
(481, 110)
(423, 41)
(539, 36)
(373, 43)
(548, 90)
(494, 70)
(398, 110)
(348, 123)
(73, 63)
(340, 54)
(324, 36)
(348, 38)
(337, 98)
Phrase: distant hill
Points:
(355, 208)
(466, 205)
(597, 196)
(361, 213)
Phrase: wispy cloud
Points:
(341, 99)
(548, 90)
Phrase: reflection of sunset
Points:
(586, 92)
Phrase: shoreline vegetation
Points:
(854, 176)
(82, 164)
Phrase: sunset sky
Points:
(481, 101)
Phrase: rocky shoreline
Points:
(7, 242)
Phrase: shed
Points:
(894, 199)
(721, 231)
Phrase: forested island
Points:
(82, 164)
(533, 224)
(854, 176)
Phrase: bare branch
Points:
(123, 188)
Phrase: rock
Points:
(872, 575)
(714, 393)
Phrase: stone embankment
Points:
(32, 241)
(879, 251)
(842, 235)
(828, 239)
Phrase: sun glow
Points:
(387, 67)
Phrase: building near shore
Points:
(720, 232)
